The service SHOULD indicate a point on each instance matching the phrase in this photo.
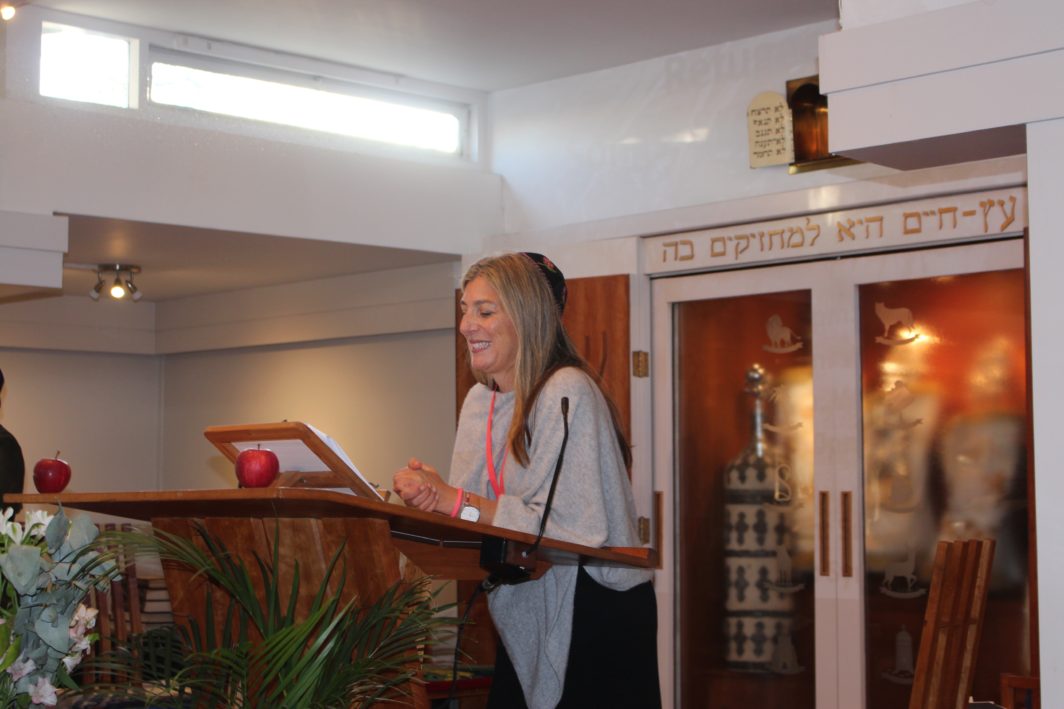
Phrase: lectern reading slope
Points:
(308, 457)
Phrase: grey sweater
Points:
(592, 505)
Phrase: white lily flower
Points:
(71, 661)
(37, 522)
(20, 668)
(14, 531)
(84, 619)
(43, 692)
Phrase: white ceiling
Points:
(479, 44)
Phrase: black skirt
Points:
(613, 654)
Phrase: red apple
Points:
(256, 467)
(51, 474)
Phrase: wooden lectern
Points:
(382, 543)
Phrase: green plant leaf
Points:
(21, 564)
(80, 535)
(337, 653)
(56, 531)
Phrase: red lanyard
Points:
(496, 481)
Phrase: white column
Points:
(1045, 149)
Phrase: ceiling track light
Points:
(131, 287)
(122, 284)
(96, 289)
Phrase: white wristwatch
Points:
(469, 512)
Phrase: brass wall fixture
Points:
(809, 112)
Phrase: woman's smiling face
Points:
(489, 332)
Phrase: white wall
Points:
(854, 13)
(383, 302)
(100, 410)
(961, 81)
(127, 422)
(59, 158)
(189, 168)
(383, 399)
(655, 135)
(369, 359)
(78, 324)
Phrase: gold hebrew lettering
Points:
(745, 239)
(1010, 216)
(809, 224)
(947, 210)
(907, 218)
(773, 233)
(873, 220)
(845, 230)
(986, 205)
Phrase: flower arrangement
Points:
(339, 653)
(47, 567)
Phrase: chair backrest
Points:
(953, 621)
(1020, 692)
(119, 608)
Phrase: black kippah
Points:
(554, 277)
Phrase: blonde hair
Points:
(543, 346)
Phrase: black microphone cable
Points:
(554, 482)
(458, 640)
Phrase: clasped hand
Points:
(420, 486)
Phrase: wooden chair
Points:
(952, 624)
(1020, 692)
(119, 609)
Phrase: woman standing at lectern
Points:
(575, 637)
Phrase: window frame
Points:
(460, 111)
(133, 72)
(469, 106)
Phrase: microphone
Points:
(504, 564)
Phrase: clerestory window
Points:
(80, 64)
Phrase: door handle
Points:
(846, 521)
(825, 534)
